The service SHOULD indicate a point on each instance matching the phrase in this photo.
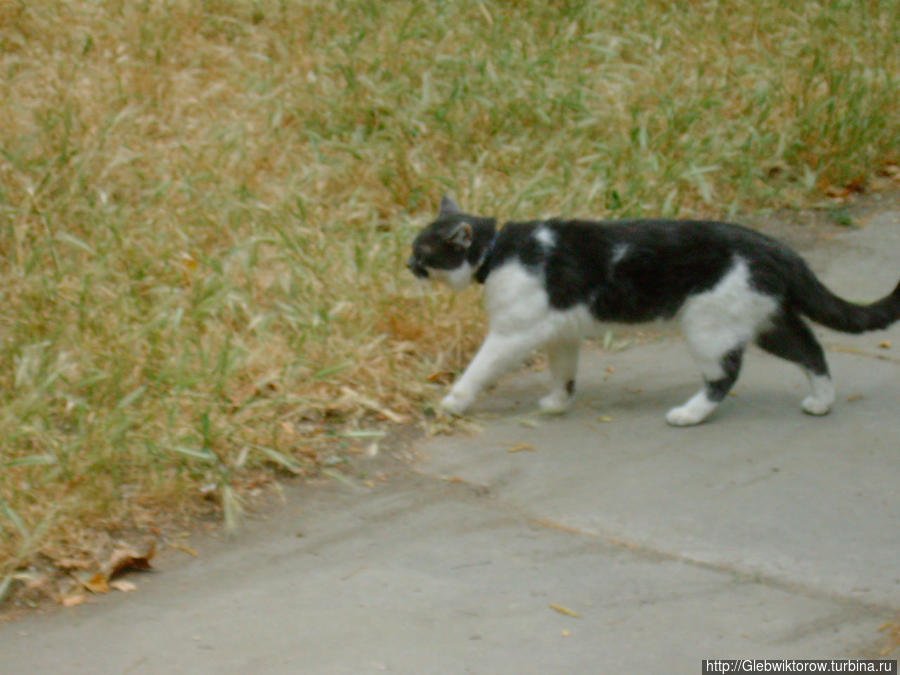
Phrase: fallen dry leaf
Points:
(891, 629)
(123, 585)
(519, 447)
(468, 426)
(73, 600)
(441, 377)
(885, 344)
(95, 583)
(353, 397)
(126, 559)
(122, 560)
(564, 610)
(604, 418)
(184, 547)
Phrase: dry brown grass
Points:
(205, 206)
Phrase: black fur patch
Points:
(792, 339)
(717, 390)
(661, 264)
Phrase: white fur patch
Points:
(727, 316)
(457, 278)
(546, 237)
(618, 253)
(515, 298)
(517, 302)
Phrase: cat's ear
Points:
(462, 235)
(448, 207)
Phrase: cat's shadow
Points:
(518, 396)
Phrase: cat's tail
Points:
(814, 300)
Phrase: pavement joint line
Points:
(744, 576)
(741, 575)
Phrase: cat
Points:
(548, 283)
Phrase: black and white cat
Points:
(550, 283)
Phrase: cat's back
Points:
(589, 247)
(633, 270)
(660, 233)
(678, 235)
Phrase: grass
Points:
(205, 206)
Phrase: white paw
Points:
(682, 417)
(555, 403)
(455, 403)
(822, 397)
(816, 406)
(686, 415)
(697, 409)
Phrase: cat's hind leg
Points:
(719, 375)
(718, 324)
(563, 356)
(791, 339)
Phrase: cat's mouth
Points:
(417, 268)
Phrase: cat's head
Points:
(451, 248)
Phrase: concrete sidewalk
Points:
(613, 543)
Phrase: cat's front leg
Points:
(456, 403)
(498, 354)
(563, 356)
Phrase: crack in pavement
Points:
(617, 541)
